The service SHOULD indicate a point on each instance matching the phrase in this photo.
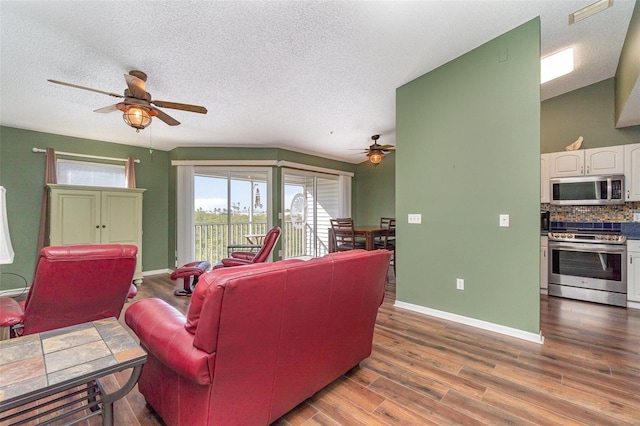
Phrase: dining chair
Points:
(388, 240)
(344, 235)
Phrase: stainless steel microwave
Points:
(588, 190)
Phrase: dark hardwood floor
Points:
(425, 371)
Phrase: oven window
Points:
(604, 266)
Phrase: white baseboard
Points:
(633, 305)
(484, 325)
(156, 272)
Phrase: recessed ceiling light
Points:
(556, 65)
(587, 11)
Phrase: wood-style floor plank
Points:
(425, 370)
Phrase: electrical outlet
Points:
(504, 220)
(460, 284)
(415, 218)
(636, 217)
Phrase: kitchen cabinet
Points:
(544, 178)
(632, 172)
(596, 161)
(544, 265)
(97, 215)
(633, 274)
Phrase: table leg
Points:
(109, 399)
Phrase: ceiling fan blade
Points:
(183, 107)
(386, 146)
(389, 150)
(115, 95)
(165, 117)
(107, 109)
(137, 86)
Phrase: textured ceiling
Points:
(314, 77)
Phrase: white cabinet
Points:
(566, 164)
(633, 274)
(97, 215)
(632, 172)
(544, 265)
(596, 161)
(544, 178)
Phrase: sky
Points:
(211, 193)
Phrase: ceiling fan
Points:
(377, 152)
(137, 106)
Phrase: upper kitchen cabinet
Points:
(632, 172)
(596, 161)
(544, 178)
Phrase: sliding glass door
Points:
(228, 206)
(310, 200)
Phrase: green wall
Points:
(469, 132)
(22, 173)
(23, 176)
(588, 112)
(375, 191)
(628, 72)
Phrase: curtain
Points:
(50, 176)
(130, 173)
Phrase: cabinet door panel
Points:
(601, 161)
(120, 218)
(75, 218)
(632, 171)
(633, 275)
(570, 163)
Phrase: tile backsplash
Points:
(618, 213)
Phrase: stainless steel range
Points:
(588, 265)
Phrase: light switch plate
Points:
(636, 217)
(504, 220)
(415, 218)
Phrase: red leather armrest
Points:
(229, 261)
(11, 313)
(160, 328)
(244, 255)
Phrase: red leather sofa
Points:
(259, 339)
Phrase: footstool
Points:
(193, 269)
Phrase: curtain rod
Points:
(73, 154)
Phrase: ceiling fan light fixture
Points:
(137, 117)
(375, 157)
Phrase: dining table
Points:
(368, 232)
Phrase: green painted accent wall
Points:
(628, 72)
(469, 132)
(23, 176)
(588, 112)
(375, 191)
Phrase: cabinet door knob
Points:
(97, 226)
(104, 226)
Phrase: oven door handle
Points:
(587, 247)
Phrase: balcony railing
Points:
(211, 239)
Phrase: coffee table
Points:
(40, 365)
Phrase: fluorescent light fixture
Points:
(587, 11)
(556, 65)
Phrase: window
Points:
(91, 174)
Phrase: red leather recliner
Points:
(258, 340)
(240, 258)
(72, 285)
